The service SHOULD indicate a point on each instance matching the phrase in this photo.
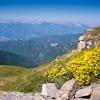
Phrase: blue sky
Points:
(59, 11)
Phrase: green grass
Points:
(8, 71)
(14, 78)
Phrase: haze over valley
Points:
(37, 43)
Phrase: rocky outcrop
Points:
(90, 39)
(68, 91)
(83, 44)
(81, 40)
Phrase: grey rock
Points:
(68, 90)
(95, 93)
(49, 90)
(81, 45)
(84, 92)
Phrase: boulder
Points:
(49, 90)
(81, 45)
(68, 90)
(85, 92)
(95, 95)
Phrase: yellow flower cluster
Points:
(58, 68)
(84, 66)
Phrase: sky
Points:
(57, 11)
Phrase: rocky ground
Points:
(69, 91)
(22, 96)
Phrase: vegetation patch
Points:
(84, 66)
(14, 78)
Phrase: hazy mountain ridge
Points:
(39, 42)
(20, 30)
(41, 50)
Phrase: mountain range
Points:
(36, 43)
(20, 30)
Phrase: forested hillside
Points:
(41, 50)
(7, 58)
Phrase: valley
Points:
(20, 40)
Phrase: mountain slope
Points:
(41, 50)
(7, 58)
(15, 78)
